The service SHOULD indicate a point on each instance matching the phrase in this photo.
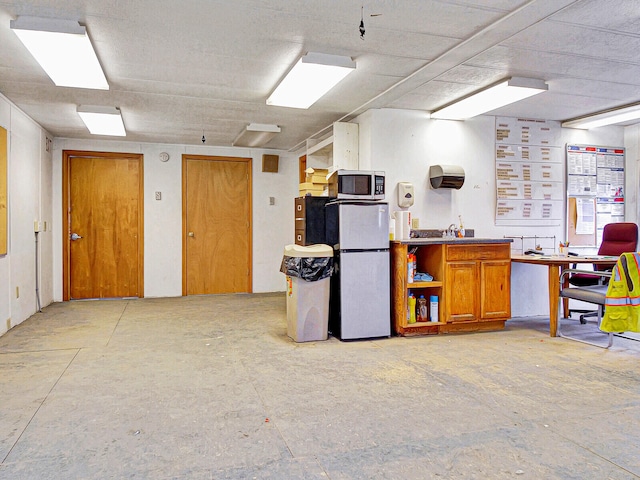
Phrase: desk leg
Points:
(565, 284)
(554, 296)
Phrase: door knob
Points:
(191, 234)
(75, 236)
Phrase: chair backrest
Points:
(618, 238)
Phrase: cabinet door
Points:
(495, 294)
(462, 292)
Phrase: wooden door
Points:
(302, 166)
(461, 287)
(216, 225)
(495, 284)
(103, 240)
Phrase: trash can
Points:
(308, 269)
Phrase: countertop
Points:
(453, 241)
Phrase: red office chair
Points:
(617, 238)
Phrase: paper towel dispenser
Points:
(446, 176)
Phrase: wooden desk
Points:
(556, 265)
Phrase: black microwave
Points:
(357, 185)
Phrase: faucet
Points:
(451, 230)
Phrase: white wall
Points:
(632, 172)
(272, 225)
(402, 143)
(405, 143)
(29, 187)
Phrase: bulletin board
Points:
(3, 191)
(595, 191)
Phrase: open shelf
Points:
(423, 324)
(424, 284)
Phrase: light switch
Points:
(272, 200)
(158, 195)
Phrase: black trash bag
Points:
(310, 269)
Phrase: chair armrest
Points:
(596, 273)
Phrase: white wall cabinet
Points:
(337, 151)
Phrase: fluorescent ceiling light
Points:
(496, 96)
(309, 79)
(608, 117)
(63, 49)
(102, 120)
(256, 135)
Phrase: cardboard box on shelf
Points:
(316, 175)
(313, 193)
(311, 186)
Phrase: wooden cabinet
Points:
(461, 302)
(495, 289)
(472, 281)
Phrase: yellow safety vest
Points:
(622, 305)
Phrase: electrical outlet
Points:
(17, 292)
(415, 223)
(272, 200)
(45, 226)
(158, 195)
(36, 226)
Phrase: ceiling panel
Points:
(617, 15)
(178, 68)
(577, 40)
(548, 65)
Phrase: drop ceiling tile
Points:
(576, 40)
(624, 17)
(548, 65)
(174, 66)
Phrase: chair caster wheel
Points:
(583, 321)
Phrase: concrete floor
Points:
(212, 388)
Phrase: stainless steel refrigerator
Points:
(359, 305)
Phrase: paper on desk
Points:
(586, 209)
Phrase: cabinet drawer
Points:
(300, 210)
(300, 237)
(478, 252)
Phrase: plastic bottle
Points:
(433, 308)
(422, 309)
(415, 265)
(412, 309)
(410, 271)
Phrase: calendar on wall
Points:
(595, 191)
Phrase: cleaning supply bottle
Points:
(415, 265)
(412, 309)
(410, 270)
(422, 309)
(433, 308)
